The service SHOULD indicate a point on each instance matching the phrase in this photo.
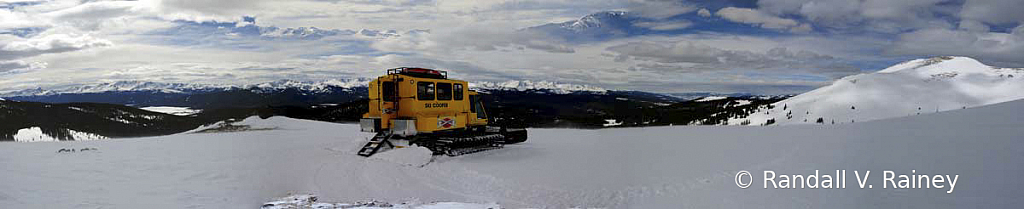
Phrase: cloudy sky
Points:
(757, 46)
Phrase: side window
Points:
(425, 90)
(388, 91)
(480, 112)
(458, 91)
(472, 103)
(444, 91)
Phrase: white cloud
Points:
(696, 55)
(665, 25)
(993, 11)
(471, 38)
(704, 12)
(683, 51)
(56, 43)
(480, 40)
(10, 19)
(6, 66)
(1001, 49)
(659, 9)
(867, 15)
(972, 25)
(756, 17)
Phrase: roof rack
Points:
(419, 72)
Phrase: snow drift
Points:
(914, 87)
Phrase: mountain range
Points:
(104, 110)
(277, 93)
(125, 108)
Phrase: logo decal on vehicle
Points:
(445, 122)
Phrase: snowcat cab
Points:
(423, 107)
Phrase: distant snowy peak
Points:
(593, 27)
(118, 86)
(561, 88)
(325, 86)
(304, 32)
(914, 87)
(319, 86)
(135, 86)
(595, 20)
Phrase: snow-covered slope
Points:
(914, 87)
(654, 167)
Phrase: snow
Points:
(35, 134)
(711, 98)
(651, 167)
(84, 136)
(32, 134)
(310, 201)
(591, 21)
(132, 85)
(179, 111)
(915, 87)
(611, 122)
(409, 156)
(129, 85)
(742, 102)
(120, 120)
(560, 88)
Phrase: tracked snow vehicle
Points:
(419, 106)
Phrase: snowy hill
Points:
(914, 87)
(653, 167)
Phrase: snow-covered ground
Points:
(179, 111)
(914, 87)
(654, 167)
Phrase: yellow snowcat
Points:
(419, 106)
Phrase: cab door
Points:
(477, 112)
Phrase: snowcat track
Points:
(455, 146)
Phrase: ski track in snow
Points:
(654, 167)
